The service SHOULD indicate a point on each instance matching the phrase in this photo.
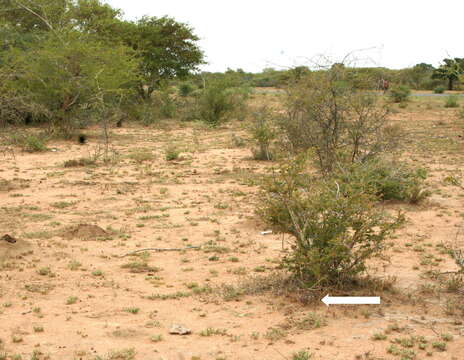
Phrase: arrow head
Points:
(325, 300)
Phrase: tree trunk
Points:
(450, 83)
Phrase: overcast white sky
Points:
(254, 34)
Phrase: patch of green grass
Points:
(212, 331)
(141, 155)
(379, 336)
(132, 310)
(157, 338)
(61, 204)
(139, 267)
(97, 273)
(71, 300)
(74, 265)
(301, 355)
(171, 153)
(38, 328)
(275, 334)
(176, 295)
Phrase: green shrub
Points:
(171, 153)
(218, 102)
(143, 112)
(400, 94)
(451, 102)
(29, 142)
(33, 143)
(439, 90)
(327, 114)
(263, 131)
(387, 180)
(336, 227)
(69, 78)
(301, 355)
(164, 104)
(185, 89)
(188, 107)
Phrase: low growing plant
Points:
(451, 101)
(387, 180)
(400, 94)
(263, 131)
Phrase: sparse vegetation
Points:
(340, 124)
(134, 216)
(451, 101)
(264, 133)
(400, 94)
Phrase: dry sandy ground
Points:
(66, 292)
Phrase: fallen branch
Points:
(160, 250)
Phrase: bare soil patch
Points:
(64, 298)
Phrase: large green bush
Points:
(387, 180)
(71, 77)
(186, 88)
(220, 101)
(336, 226)
(400, 94)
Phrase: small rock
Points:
(179, 330)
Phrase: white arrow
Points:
(351, 300)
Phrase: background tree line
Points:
(419, 77)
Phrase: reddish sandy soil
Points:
(69, 294)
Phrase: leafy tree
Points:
(418, 75)
(35, 15)
(166, 48)
(69, 79)
(450, 71)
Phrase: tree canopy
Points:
(450, 70)
(66, 58)
(166, 48)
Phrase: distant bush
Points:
(335, 226)
(400, 94)
(439, 90)
(79, 162)
(327, 114)
(264, 132)
(185, 89)
(171, 153)
(161, 105)
(28, 142)
(219, 102)
(142, 112)
(387, 180)
(451, 102)
(163, 102)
